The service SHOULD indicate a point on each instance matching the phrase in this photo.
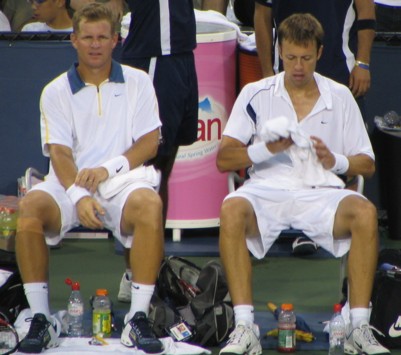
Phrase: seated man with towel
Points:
(297, 131)
(99, 125)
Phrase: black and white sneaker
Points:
(304, 246)
(41, 335)
(138, 333)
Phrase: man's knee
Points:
(235, 211)
(365, 210)
(144, 204)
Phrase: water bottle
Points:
(75, 310)
(286, 329)
(336, 332)
(101, 320)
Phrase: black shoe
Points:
(138, 333)
(41, 335)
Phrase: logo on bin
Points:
(212, 120)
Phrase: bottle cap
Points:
(337, 308)
(102, 292)
(287, 307)
(74, 285)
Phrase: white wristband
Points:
(341, 165)
(116, 166)
(259, 153)
(75, 193)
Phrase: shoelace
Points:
(36, 330)
(367, 333)
(237, 335)
(142, 328)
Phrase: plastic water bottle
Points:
(336, 332)
(75, 310)
(286, 329)
(101, 320)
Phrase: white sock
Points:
(359, 315)
(128, 274)
(245, 313)
(37, 294)
(140, 298)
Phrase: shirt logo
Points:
(395, 329)
(117, 95)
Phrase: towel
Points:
(306, 165)
(81, 345)
(113, 186)
(210, 16)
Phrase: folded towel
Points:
(113, 186)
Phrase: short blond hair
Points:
(93, 12)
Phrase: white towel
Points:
(113, 186)
(71, 346)
(302, 153)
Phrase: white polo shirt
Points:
(335, 119)
(98, 123)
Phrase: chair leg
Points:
(343, 272)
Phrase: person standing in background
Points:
(161, 41)
(349, 33)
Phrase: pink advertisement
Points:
(196, 187)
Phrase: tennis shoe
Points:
(41, 335)
(138, 333)
(304, 246)
(362, 341)
(243, 340)
(124, 293)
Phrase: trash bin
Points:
(389, 170)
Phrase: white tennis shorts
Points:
(69, 218)
(310, 210)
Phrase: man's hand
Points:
(359, 81)
(323, 153)
(88, 210)
(91, 178)
(279, 145)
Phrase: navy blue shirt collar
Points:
(76, 83)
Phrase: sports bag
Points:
(386, 300)
(191, 303)
(12, 295)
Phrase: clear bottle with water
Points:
(75, 311)
(336, 332)
(101, 320)
(286, 329)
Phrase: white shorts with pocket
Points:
(310, 210)
(69, 218)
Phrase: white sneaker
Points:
(124, 293)
(243, 340)
(362, 341)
